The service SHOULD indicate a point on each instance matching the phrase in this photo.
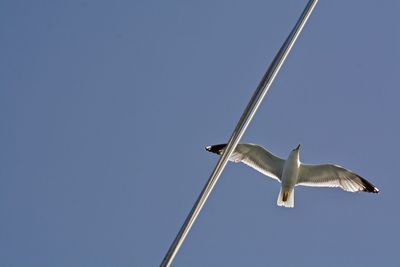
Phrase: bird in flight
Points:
(291, 172)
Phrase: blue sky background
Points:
(106, 107)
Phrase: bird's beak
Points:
(298, 147)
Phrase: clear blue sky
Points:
(106, 106)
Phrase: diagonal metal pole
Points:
(244, 121)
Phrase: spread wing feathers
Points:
(254, 156)
(328, 175)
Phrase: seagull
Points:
(291, 172)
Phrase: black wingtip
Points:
(368, 187)
(217, 149)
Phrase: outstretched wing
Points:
(254, 156)
(328, 175)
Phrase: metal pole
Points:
(244, 121)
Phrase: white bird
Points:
(291, 172)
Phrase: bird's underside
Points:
(315, 175)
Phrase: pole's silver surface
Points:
(244, 121)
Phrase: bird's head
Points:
(297, 148)
(295, 153)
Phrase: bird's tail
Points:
(286, 198)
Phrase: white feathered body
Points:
(290, 176)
